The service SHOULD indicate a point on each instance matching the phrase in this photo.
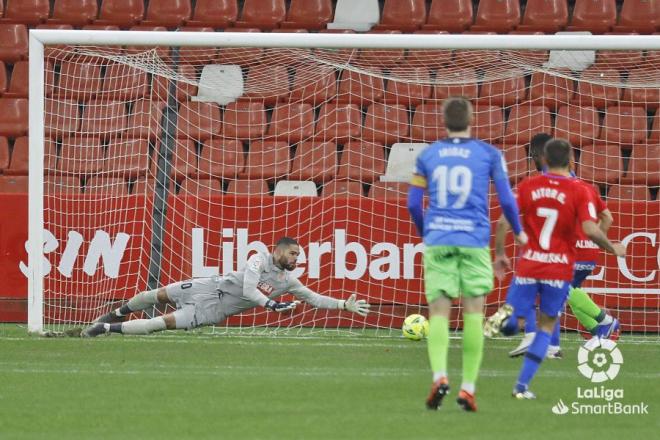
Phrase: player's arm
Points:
(416, 190)
(253, 270)
(505, 196)
(352, 304)
(586, 211)
(605, 220)
(502, 262)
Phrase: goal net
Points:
(164, 163)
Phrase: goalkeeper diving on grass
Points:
(209, 301)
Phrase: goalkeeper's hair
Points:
(457, 113)
(536, 145)
(557, 153)
(286, 241)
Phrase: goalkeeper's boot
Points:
(466, 401)
(94, 330)
(109, 318)
(554, 352)
(494, 322)
(608, 331)
(521, 392)
(523, 346)
(439, 390)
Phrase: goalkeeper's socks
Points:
(113, 328)
(123, 311)
(606, 319)
(533, 358)
(554, 338)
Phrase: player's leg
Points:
(592, 317)
(141, 301)
(441, 286)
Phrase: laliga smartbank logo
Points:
(599, 360)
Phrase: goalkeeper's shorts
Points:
(451, 271)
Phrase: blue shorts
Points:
(582, 270)
(522, 295)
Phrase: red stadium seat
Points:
(51, 51)
(497, 16)
(389, 190)
(624, 125)
(123, 82)
(29, 12)
(428, 123)
(244, 56)
(163, 52)
(545, 15)
(592, 92)
(106, 119)
(81, 155)
(54, 185)
(254, 187)
(342, 188)
(526, 120)
(146, 186)
(578, 125)
(460, 82)
(267, 83)
(503, 92)
(404, 92)
(641, 16)
(339, 122)
(13, 184)
(450, 15)
(403, 15)
(314, 86)
(262, 14)
(106, 186)
(654, 137)
(121, 12)
(623, 60)
(3, 79)
(4, 154)
(221, 158)
(145, 119)
(422, 57)
(244, 120)
(309, 14)
(386, 123)
(361, 161)
(62, 117)
(79, 81)
(20, 157)
(184, 160)
(14, 121)
(644, 166)
(359, 88)
(291, 122)
(488, 124)
(518, 163)
(648, 97)
(600, 164)
(168, 13)
(13, 42)
(477, 59)
(551, 91)
(315, 161)
(214, 13)
(381, 57)
(184, 89)
(596, 16)
(267, 160)
(201, 187)
(109, 50)
(197, 55)
(74, 12)
(127, 158)
(18, 86)
(198, 120)
(628, 192)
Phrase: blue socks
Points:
(554, 339)
(530, 321)
(533, 358)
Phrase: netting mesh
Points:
(162, 165)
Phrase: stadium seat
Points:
(403, 15)
(268, 160)
(197, 55)
(624, 125)
(641, 16)
(551, 91)
(61, 118)
(355, 15)
(198, 120)
(488, 123)
(20, 157)
(51, 51)
(14, 121)
(578, 125)
(517, 162)
(4, 154)
(648, 97)
(244, 56)
(404, 92)
(254, 187)
(214, 13)
(497, 16)
(81, 155)
(146, 186)
(359, 88)
(74, 12)
(361, 161)
(4, 81)
(267, 83)
(123, 82)
(526, 120)
(244, 120)
(145, 119)
(428, 123)
(654, 137)
(262, 14)
(291, 122)
(13, 42)
(314, 86)
(184, 160)
(545, 16)
(295, 188)
(342, 188)
(106, 119)
(422, 57)
(28, 12)
(109, 50)
(450, 15)
(184, 89)
(221, 158)
(106, 186)
(54, 185)
(389, 190)
(13, 184)
(316, 161)
(308, 14)
(503, 92)
(460, 82)
(163, 52)
(476, 59)
(201, 187)
(536, 58)
(386, 123)
(121, 12)
(127, 158)
(628, 192)
(600, 164)
(401, 161)
(168, 13)
(79, 81)
(592, 92)
(338, 122)
(18, 85)
(644, 166)
(595, 16)
(381, 57)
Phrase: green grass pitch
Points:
(201, 385)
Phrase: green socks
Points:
(438, 343)
(583, 307)
(473, 346)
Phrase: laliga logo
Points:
(599, 360)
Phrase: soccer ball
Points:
(415, 327)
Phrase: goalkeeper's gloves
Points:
(359, 306)
(280, 307)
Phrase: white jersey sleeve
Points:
(253, 269)
(297, 289)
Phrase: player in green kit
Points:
(456, 172)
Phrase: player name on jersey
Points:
(549, 193)
(454, 152)
(545, 257)
(586, 244)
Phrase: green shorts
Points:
(453, 270)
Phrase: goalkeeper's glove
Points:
(359, 306)
(280, 307)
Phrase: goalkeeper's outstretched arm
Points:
(352, 304)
